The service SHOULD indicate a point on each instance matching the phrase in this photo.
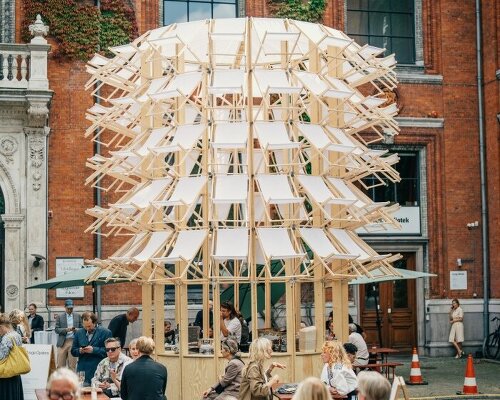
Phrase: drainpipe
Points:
(98, 200)
(482, 166)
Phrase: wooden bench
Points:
(387, 368)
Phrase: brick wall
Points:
(453, 152)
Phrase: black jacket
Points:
(144, 379)
(36, 326)
(118, 327)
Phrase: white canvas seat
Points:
(184, 197)
(231, 244)
(182, 85)
(273, 136)
(183, 141)
(227, 81)
(322, 197)
(319, 87)
(322, 246)
(141, 147)
(355, 245)
(276, 244)
(274, 81)
(230, 136)
(229, 191)
(186, 247)
(120, 170)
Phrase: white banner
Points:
(63, 266)
(40, 359)
(408, 217)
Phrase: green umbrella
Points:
(380, 276)
(74, 278)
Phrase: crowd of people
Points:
(96, 353)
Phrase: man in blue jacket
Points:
(88, 345)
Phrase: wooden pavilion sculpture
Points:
(239, 147)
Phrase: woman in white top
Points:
(337, 372)
(457, 327)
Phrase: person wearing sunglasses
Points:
(63, 385)
(109, 371)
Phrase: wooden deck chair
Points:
(270, 34)
(186, 247)
(136, 265)
(324, 249)
(277, 190)
(226, 91)
(227, 39)
(227, 191)
(367, 258)
(183, 146)
(183, 198)
(273, 138)
(277, 245)
(332, 206)
(120, 171)
(229, 139)
(128, 212)
(230, 253)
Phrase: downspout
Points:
(98, 197)
(482, 166)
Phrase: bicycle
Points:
(491, 344)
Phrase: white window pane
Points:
(224, 11)
(199, 11)
(174, 11)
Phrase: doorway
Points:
(396, 301)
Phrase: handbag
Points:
(16, 363)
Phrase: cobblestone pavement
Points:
(445, 376)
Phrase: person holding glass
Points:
(457, 327)
(257, 383)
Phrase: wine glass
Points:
(81, 377)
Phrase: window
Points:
(406, 192)
(388, 24)
(183, 11)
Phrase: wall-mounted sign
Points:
(63, 266)
(458, 280)
(408, 217)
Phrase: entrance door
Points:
(397, 310)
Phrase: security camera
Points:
(38, 258)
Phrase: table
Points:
(288, 396)
(383, 351)
(41, 394)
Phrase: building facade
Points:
(446, 231)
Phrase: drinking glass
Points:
(81, 377)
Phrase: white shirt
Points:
(340, 377)
(234, 328)
(362, 354)
(69, 320)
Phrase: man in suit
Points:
(35, 321)
(66, 325)
(144, 378)
(88, 345)
(119, 324)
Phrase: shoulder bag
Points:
(16, 363)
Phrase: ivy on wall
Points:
(310, 11)
(79, 28)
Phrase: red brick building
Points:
(439, 145)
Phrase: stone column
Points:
(14, 261)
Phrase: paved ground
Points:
(445, 376)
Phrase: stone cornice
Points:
(414, 122)
(12, 220)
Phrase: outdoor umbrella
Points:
(379, 276)
(75, 278)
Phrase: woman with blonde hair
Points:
(337, 372)
(20, 324)
(311, 389)
(256, 384)
(10, 388)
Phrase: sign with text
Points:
(408, 217)
(42, 362)
(63, 266)
(458, 280)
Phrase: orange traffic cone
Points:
(470, 386)
(415, 374)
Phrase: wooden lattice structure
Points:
(238, 146)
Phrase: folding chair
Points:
(230, 253)
(229, 191)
